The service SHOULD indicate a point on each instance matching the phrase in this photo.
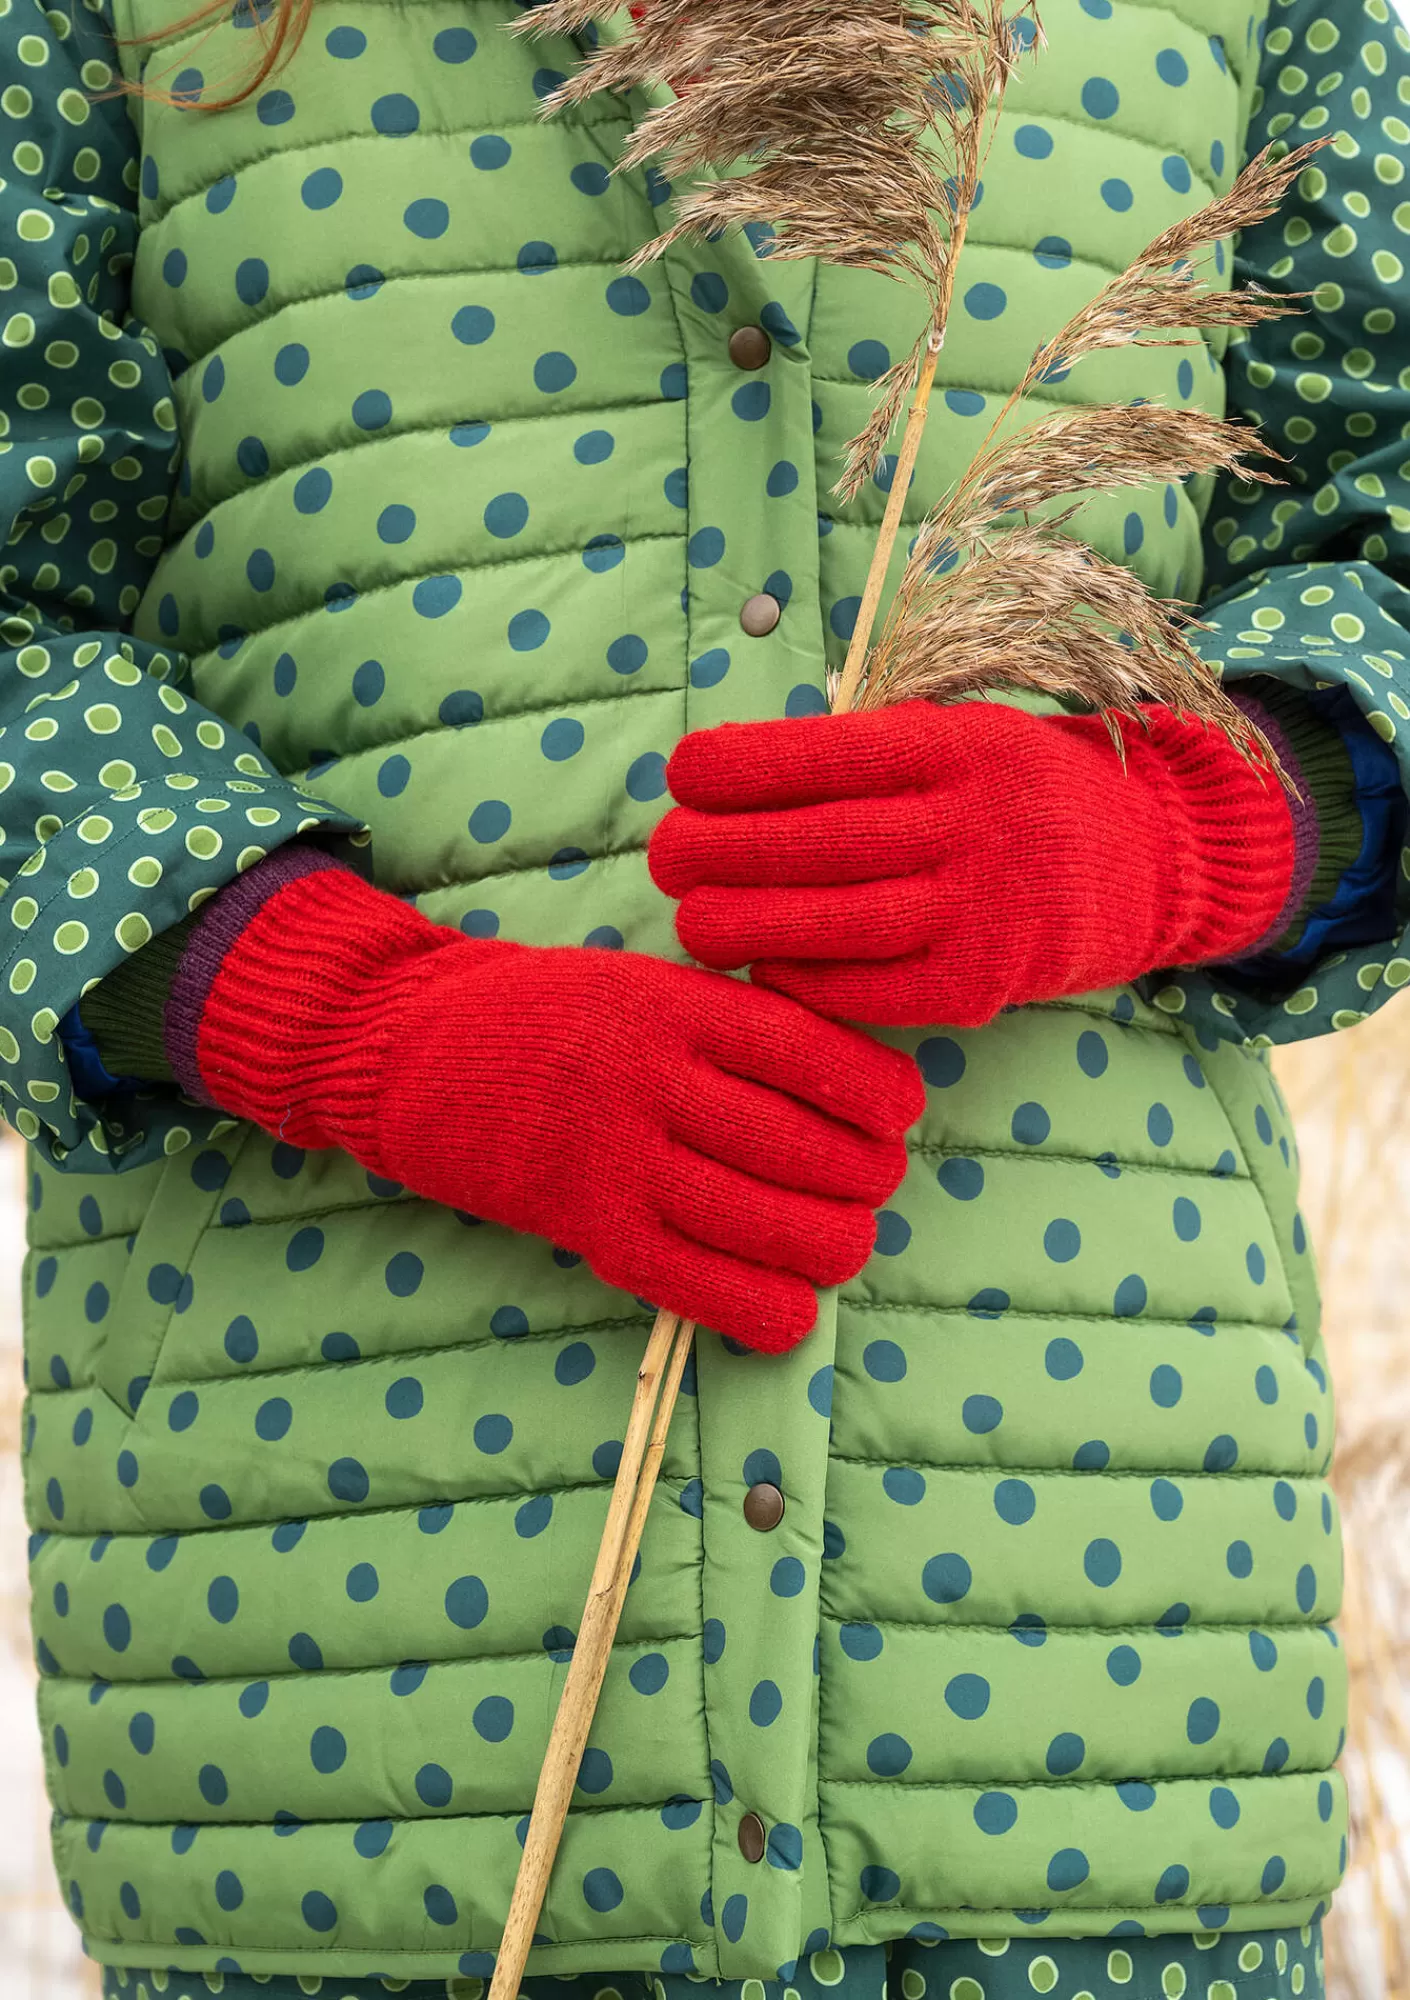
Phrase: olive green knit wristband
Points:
(124, 1013)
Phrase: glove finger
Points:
(778, 1139)
(808, 759)
(843, 840)
(726, 928)
(822, 1240)
(911, 992)
(768, 1310)
(839, 1070)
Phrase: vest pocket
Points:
(156, 1286)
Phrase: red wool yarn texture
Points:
(924, 864)
(703, 1144)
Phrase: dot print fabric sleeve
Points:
(1303, 579)
(123, 803)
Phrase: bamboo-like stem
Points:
(658, 1385)
(655, 1452)
(849, 686)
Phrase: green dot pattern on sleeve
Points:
(1272, 1965)
(1330, 388)
(1302, 575)
(123, 804)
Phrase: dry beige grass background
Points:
(1351, 1096)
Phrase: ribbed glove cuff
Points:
(1233, 845)
(219, 926)
(294, 1021)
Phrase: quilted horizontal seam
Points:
(401, 1819)
(1072, 1472)
(1068, 1785)
(607, 115)
(385, 743)
(1162, 1027)
(381, 1957)
(294, 1217)
(1238, 59)
(58, 1246)
(78, 1242)
(1068, 1318)
(627, 853)
(338, 291)
(325, 1674)
(362, 1207)
(459, 1346)
(1104, 1161)
(516, 1495)
(1050, 405)
(1032, 399)
(395, 432)
(319, 607)
(1079, 1629)
(1163, 147)
(1001, 243)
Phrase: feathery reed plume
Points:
(831, 104)
(1063, 620)
(1163, 293)
(1098, 447)
(1031, 607)
(1157, 301)
(835, 108)
(1112, 634)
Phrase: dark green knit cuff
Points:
(124, 1013)
(1320, 766)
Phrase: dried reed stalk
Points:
(658, 1384)
(833, 110)
(1071, 623)
(832, 105)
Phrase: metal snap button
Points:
(750, 347)
(763, 1506)
(760, 614)
(753, 1837)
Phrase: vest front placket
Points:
(751, 600)
(756, 651)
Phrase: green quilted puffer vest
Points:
(466, 523)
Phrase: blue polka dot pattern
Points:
(503, 476)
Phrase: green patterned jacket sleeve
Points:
(1303, 579)
(124, 803)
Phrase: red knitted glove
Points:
(924, 864)
(715, 1149)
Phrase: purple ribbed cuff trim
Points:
(1307, 832)
(221, 923)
